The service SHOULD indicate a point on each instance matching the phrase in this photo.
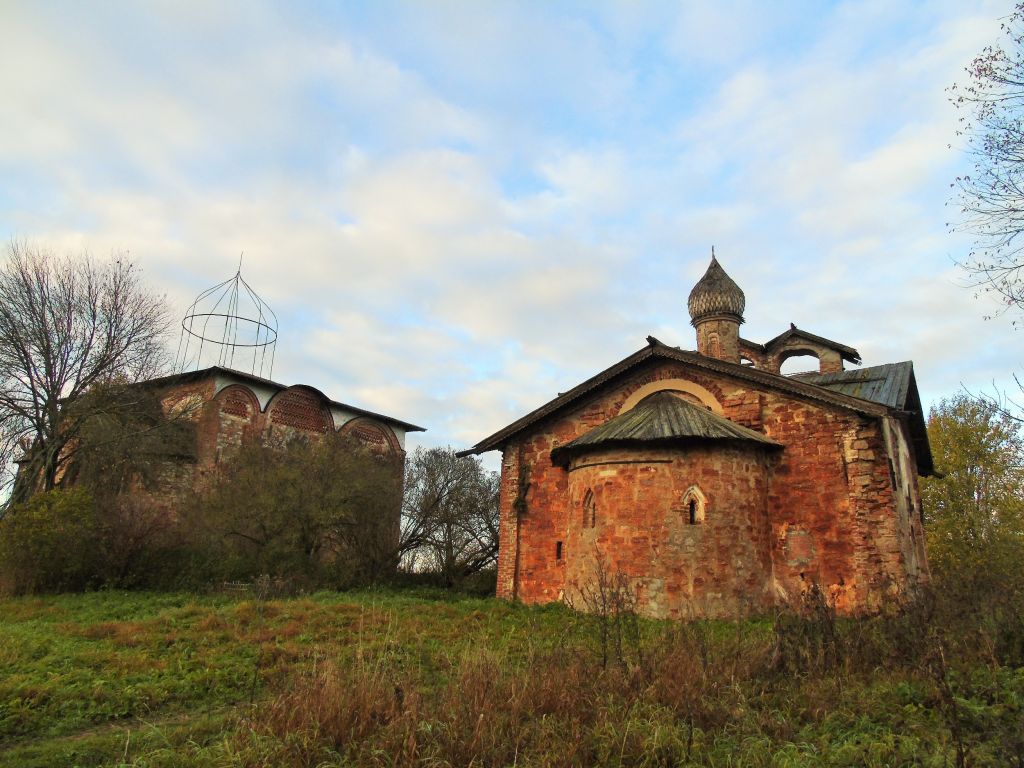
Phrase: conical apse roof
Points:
(660, 420)
(716, 294)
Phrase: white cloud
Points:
(460, 210)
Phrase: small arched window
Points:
(694, 505)
(589, 510)
(714, 345)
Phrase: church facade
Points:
(713, 484)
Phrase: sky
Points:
(458, 210)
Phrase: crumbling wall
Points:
(711, 560)
(829, 501)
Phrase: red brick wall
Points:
(720, 566)
(828, 496)
(375, 436)
(225, 421)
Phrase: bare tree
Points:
(67, 324)
(449, 515)
(991, 199)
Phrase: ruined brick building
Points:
(713, 483)
(229, 407)
(215, 410)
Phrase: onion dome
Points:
(716, 294)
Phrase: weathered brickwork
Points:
(822, 510)
(227, 419)
(780, 484)
(719, 565)
(374, 436)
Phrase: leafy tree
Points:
(67, 325)
(450, 514)
(326, 510)
(992, 197)
(975, 510)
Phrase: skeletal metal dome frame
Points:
(214, 323)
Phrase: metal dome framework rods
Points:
(214, 324)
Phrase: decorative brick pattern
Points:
(300, 412)
(372, 434)
(225, 421)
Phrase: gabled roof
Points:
(658, 351)
(216, 370)
(847, 353)
(886, 384)
(892, 385)
(661, 419)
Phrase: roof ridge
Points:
(656, 348)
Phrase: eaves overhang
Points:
(656, 350)
(216, 370)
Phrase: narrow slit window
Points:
(694, 506)
(558, 550)
(589, 510)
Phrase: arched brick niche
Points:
(374, 435)
(297, 412)
(237, 411)
(238, 401)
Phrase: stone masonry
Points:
(700, 526)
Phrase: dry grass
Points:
(369, 679)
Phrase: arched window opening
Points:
(695, 505)
(589, 510)
(796, 361)
(714, 345)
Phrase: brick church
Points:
(230, 407)
(715, 485)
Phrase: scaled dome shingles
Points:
(716, 294)
(662, 419)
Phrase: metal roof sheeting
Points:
(885, 384)
(656, 350)
(662, 418)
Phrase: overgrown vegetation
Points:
(317, 514)
(974, 515)
(250, 678)
(67, 325)
(320, 513)
(449, 517)
(376, 678)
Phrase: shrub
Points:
(323, 512)
(50, 543)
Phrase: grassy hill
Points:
(377, 678)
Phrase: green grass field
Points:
(377, 678)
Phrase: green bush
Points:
(322, 514)
(50, 543)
